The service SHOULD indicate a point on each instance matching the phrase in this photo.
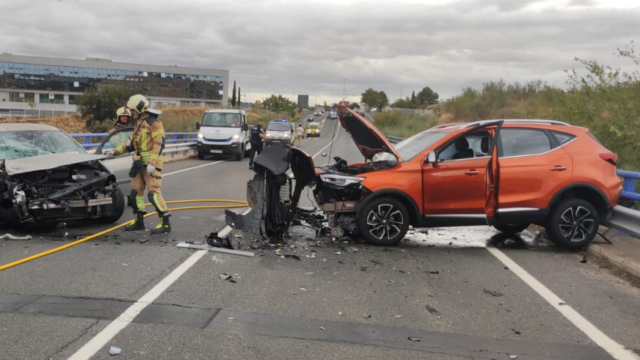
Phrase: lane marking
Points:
(116, 326)
(616, 350)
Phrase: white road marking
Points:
(108, 333)
(617, 351)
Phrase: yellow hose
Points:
(233, 204)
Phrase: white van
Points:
(223, 132)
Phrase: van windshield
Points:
(222, 120)
(278, 126)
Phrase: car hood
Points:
(46, 162)
(368, 138)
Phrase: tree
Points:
(233, 95)
(413, 96)
(426, 96)
(279, 103)
(354, 105)
(99, 105)
(373, 98)
(239, 98)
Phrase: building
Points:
(30, 83)
(303, 101)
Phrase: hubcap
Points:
(385, 222)
(576, 223)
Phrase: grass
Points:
(397, 124)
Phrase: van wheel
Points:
(239, 156)
(200, 155)
(573, 224)
(511, 228)
(384, 222)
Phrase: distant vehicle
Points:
(45, 175)
(309, 118)
(332, 114)
(317, 113)
(223, 132)
(313, 130)
(279, 130)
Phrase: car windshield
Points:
(278, 126)
(416, 144)
(222, 120)
(24, 144)
(313, 126)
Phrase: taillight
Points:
(610, 158)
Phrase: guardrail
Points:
(628, 182)
(172, 138)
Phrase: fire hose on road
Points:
(230, 204)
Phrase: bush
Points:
(100, 105)
(394, 123)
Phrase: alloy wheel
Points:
(385, 221)
(576, 223)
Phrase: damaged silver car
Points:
(45, 175)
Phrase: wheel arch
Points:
(404, 198)
(584, 191)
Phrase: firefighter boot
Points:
(138, 223)
(163, 227)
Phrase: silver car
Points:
(279, 131)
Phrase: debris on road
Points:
(367, 316)
(290, 256)
(217, 242)
(227, 277)
(492, 293)
(113, 351)
(516, 332)
(214, 249)
(376, 262)
(513, 356)
(363, 268)
(12, 237)
(414, 339)
(435, 272)
(433, 310)
(398, 316)
(322, 328)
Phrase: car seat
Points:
(462, 149)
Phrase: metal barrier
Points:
(178, 137)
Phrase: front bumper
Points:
(283, 141)
(220, 149)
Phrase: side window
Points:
(472, 145)
(519, 142)
(562, 138)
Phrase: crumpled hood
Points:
(368, 138)
(46, 162)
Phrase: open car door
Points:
(492, 176)
(121, 164)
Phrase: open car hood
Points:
(46, 162)
(368, 138)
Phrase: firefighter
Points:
(257, 136)
(123, 117)
(147, 144)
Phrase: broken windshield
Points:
(24, 144)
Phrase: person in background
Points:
(257, 136)
(299, 135)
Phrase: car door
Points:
(459, 186)
(121, 164)
(534, 167)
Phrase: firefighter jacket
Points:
(147, 142)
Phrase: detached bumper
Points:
(221, 149)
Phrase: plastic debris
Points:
(414, 339)
(433, 310)
(513, 356)
(376, 262)
(398, 316)
(492, 293)
(367, 316)
(363, 268)
(435, 272)
(13, 237)
(215, 241)
(303, 289)
(516, 332)
(113, 351)
(337, 252)
(322, 328)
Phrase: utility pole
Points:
(344, 89)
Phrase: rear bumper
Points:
(224, 149)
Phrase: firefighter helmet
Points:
(138, 103)
(123, 111)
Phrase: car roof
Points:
(534, 123)
(26, 127)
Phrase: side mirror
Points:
(431, 157)
(245, 127)
(197, 126)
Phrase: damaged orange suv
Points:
(504, 173)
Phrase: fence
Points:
(93, 140)
(628, 182)
(34, 114)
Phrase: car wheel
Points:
(239, 156)
(573, 224)
(200, 155)
(511, 228)
(383, 221)
(117, 205)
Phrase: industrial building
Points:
(30, 83)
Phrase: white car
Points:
(279, 131)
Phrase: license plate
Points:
(216, 151)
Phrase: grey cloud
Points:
(287, 46)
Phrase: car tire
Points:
(118, 204)
(573, 224)
(239, 156)
(511, 229)
(200, 156)
(383, 221)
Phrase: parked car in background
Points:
(279, 130)
(45, 175)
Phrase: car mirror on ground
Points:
(431, 158)
(324, 154)
(197, 126)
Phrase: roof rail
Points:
(522, 121)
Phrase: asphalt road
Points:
(448, 294)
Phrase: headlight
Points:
(308, 131)
(236, 137)
(286, 134)
(340, 180)
(200, 136)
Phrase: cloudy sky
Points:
(310, 46)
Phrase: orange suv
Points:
(504, 173)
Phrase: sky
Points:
(328, 49)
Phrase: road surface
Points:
(448, 294)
